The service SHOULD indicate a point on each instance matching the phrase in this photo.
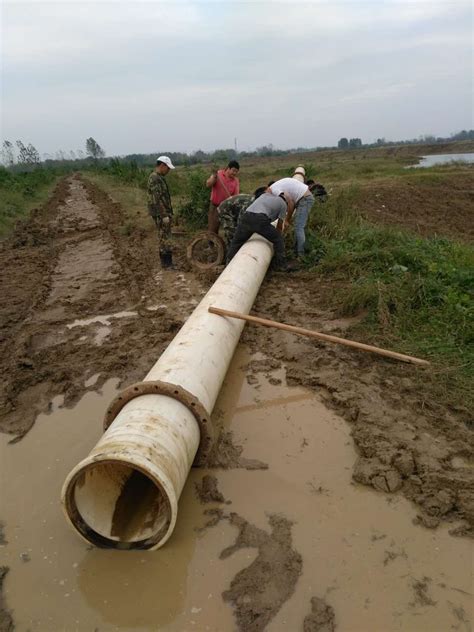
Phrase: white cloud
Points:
(191, 74)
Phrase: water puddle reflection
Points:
(360, 549)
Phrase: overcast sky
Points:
(180, 76)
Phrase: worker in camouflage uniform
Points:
(159, 207)
(231, 209)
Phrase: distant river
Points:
(442, 159)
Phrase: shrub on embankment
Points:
(189, 193)
(22, 191)
(417, 292)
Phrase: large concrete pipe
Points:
(125, 493)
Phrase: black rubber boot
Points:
(167, 260)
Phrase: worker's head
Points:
(310, 184)
(163, 165)
(258, 192)
(232, 169)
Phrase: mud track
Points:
(65, 266)
(84, 301)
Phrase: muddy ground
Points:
(443, 207)
(72, 261)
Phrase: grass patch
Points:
(418, 293)
(21, 192)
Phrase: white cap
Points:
(300, 169)
(166, 161)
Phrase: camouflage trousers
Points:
(229, 226)
(164, 224)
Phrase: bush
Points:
(19, 190)
(415, 290)
(194, 209)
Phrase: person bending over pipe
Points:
(302, 198)
(231, 210)
(258, 219)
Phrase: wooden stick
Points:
(316, 334)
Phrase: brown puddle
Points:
(360, 551)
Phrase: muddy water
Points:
(360, 550)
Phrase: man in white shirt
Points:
(300, 200)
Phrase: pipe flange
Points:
(174, 391)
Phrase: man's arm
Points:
(290, 209)
(211, 181)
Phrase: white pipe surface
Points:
(125, 493)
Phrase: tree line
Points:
(26, 157)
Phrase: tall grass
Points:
(418, 293)
(20, 192)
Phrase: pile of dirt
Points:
(440, 208)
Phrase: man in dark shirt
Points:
(258, 219)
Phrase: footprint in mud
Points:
(258, 592)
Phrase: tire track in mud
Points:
(84, 311)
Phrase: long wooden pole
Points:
(315, 334)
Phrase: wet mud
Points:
(406, 441)
(6, 620)
(208, 492)
(258, 591)
(321, 618)
(319, 535)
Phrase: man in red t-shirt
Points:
(223, 184)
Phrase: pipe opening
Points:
(114, 504)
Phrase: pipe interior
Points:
(117, 505)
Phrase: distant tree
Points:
(381, 141)
(343, 143)
(94, 150)
(8, 153)
(33, 155)
(28, 155)
(266, 150)
(22, 152)
(355, 143)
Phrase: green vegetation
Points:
(21, 192)
(417, 293)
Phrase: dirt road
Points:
(84, 302)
